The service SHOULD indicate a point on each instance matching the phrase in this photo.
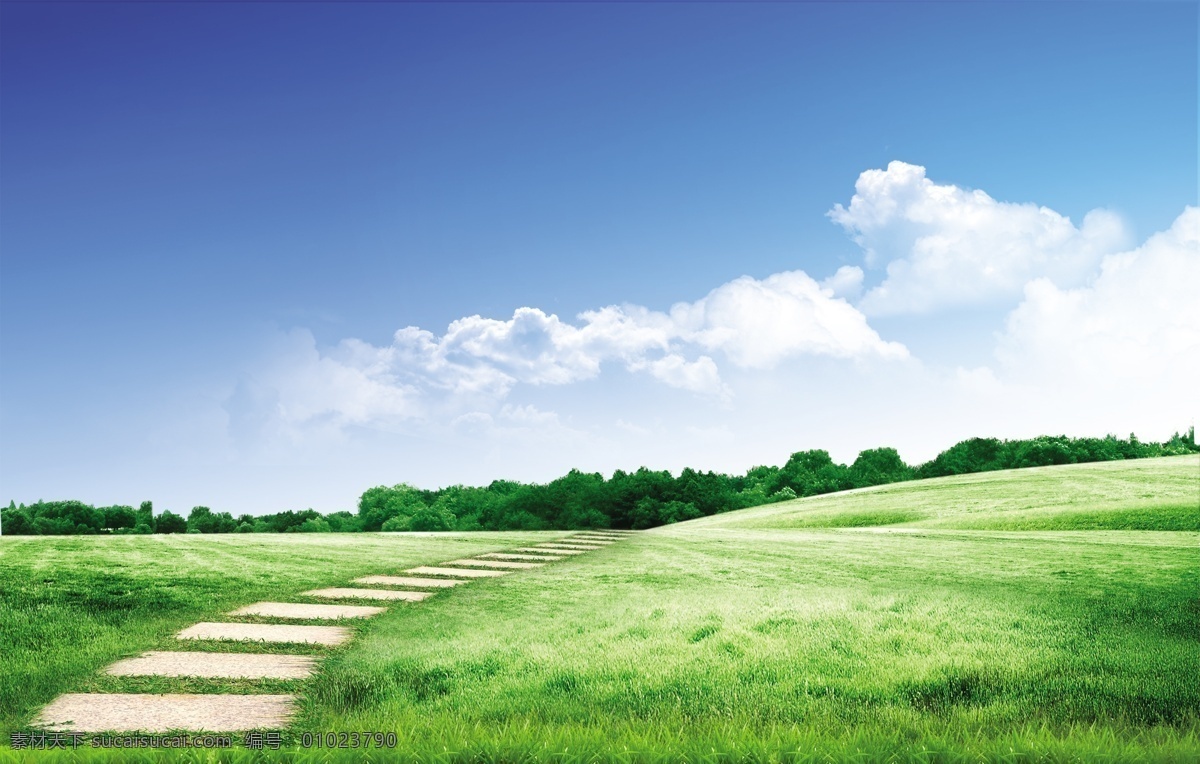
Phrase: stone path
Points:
(153, 713)
(433, 583)
(367, 594)
(457, 572)
(330, 636)
(531, 557)
(216, 665)
(95, 712)
(293, 610)
(496, 564)
(571, 547)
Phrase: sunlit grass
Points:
(741, 636)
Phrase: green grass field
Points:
(1044, 614)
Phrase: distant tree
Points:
(204, 520)
(169, 522)
(16, 521)
(60, 518)
(145, 514)
(877, 466)
(1042, 451)
(377, 505)
(435, 518)
(119, 517)
(677, 512)
(396, 524)
(315, 525)
(344, 522)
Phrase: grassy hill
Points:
(948, 632)
(1146, 494)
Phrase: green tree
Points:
(204, 520)
(877, 466)
(435, 518)
(145, 514)
(119, 517)
(16, 521)
(396, 524)
(169, 522)
(377, 505)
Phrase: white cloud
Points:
(303, 385)
(847, 282)
(946, 246)
(1135, 327)
(470, 370)
(699, 376)
(758, 323)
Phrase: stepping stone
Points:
(368, 594)
(497, 564)
(124, 712)
(601, 536)
(588, 540)
(534, 557)
(433, 583)
(431, 571)
(268, 632)
(550, 551)
(215, 665)
(576, 547)
(295, 610)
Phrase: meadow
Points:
(1039, 614)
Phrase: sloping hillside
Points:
(1146, 494)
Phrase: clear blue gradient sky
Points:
(213, 218)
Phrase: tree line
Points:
(641, 499)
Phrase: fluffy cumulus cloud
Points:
(472, 367)
(1135, 326)
(946, 246)
(759, 323)
(1092, 323)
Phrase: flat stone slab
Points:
(368, 594)
(124, 712)
(588, 540)
(497, 564)
(215, 665)
(460, 572)
(544, 557)
(296, 610)
(550, 551)
(268, 632)
(432, 583)
(576, 547)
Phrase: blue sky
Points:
(215, 217)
